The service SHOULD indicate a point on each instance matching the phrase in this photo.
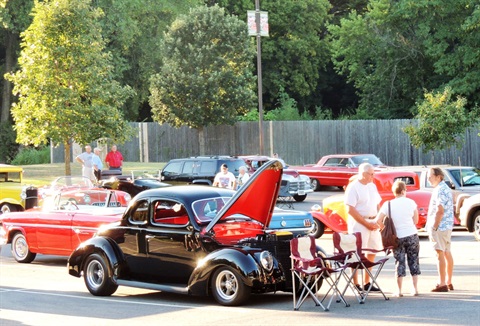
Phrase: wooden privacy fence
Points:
(297, 142)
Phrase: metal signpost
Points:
(258, 26)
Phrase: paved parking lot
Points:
(42, 293)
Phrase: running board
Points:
(152, 286)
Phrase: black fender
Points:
(243, 261)
(102, 245)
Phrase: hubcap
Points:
(21, 248)
(95, 274)
(227, 285)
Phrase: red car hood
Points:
(256, 199)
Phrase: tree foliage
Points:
(65, 85)
(206, 77)
(133, 30)
(295, 54)
(394, 50)
(442, 121)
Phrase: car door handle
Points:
(79, 231)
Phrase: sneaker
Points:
(438, 288)
(373, 289)
(450, 287)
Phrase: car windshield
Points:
(68, 182)
(467, 176)
(372, 159)
(14, 177)
(77, 200)
(206, 209)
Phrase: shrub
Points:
(30, 155)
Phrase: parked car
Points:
(336, 170)
(334, 215)
(135, 183)
(470, 215)
(464, 179)
(200, 170)
(60, 225)
(195, 240)
(63, 183)
(14, 195)
(464, 182)
(297, 185)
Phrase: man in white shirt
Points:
(224, 179)
(362, 202)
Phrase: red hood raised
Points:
(256, 198)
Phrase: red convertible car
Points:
(336, 170)
(334, 215)
(58, 227)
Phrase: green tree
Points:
(442, 121)
(395, 49)
(206, 77)
(295, 54)
(65, 85)
(133, 30)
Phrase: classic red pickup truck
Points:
(335, 170)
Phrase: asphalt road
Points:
(42, 293)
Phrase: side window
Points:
(188, 167)
(206, 209)
(139, 213)
(208, 167)
(167, 212)
(333, 162)
(233, 166)
(173, 168)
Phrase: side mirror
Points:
(450, 184)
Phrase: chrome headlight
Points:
(23, 194)
(266, 259)
(317, 208)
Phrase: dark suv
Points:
(198, 169)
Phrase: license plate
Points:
(301, 192)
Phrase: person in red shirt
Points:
(114, 159)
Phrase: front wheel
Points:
(314, 184)
(476, 225)
(299, 198)
(20, 249)
(228, 288)
(7, 208)
(318, 229)
(96, 275)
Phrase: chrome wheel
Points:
(95, 274)
(476, 226)
(20, 249)
(97, 277)
(228, 288)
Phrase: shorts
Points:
(370, 239)
(441, 240)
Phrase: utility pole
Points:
(259, 76)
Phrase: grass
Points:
(42, 174)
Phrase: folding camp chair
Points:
(284, 197)
(308, 268)
(350, 254)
